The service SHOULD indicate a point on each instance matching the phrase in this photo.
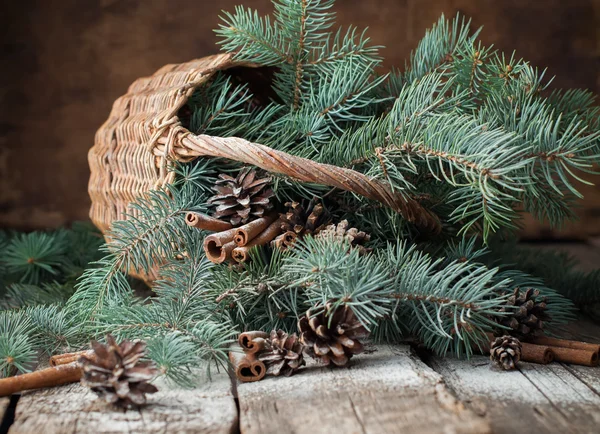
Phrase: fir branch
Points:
(182, 317)
(97, 286)
(252, 38)
(21, 295)
(222, 110)
(36, 256)
(56, 330)
(48, 261)
(449, 308)
(436, 50)
(342, 47)
(560, 309)
(327, 270)
(486, 183)
(18, 347)
(140, 244)
(304, 20)
(343, 98)
(467, 249)
(298, 62)
(576, 104)
(558, 149)
(469, 68)
(260, 296)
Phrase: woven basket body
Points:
(123, 164)
(143, 134)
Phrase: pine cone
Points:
(341, 232)
(528, 320)
(302, 220)
(282, 354)
(332, 341)
(116, 374)
(506, 352)
(243, 198)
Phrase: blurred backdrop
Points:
(64, 62)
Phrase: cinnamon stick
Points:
(285, 240)
(277, 243)
(218, 247)
(240, 254)
(202, 221)
(246, 233)
(63, 359)
(563, 343)
(247, 369)
(576, 356)
(536, 353)
(252, 342)
(54, 376)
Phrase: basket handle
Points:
(189, 146)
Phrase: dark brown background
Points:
(65, 61)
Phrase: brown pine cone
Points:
(303, 220)
(334, 341)
(116, 374)
(506, 352)
(243, 198)
(341, 232)
(282, 353)
(528, 320)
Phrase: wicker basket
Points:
(133, 148)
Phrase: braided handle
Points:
(189, 146)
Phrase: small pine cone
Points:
(243, 198)
(304, 220)
(282, 353)
(332, 340)
(341, 232)
(116, 374)
(506, 352)
(529, 317)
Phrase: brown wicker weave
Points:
(133, 148)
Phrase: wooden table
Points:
(389, 389)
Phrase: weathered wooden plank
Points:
(387, 391)
(588, 331)
(588, 376)
(543, 398)
(569, 396)
(74, 409)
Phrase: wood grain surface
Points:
(387, 391)
(74, 409)
(554, 398)
(543, 398)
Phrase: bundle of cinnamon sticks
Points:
(246, 366)
(544, 350)
(573, 352)
(229, 244)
